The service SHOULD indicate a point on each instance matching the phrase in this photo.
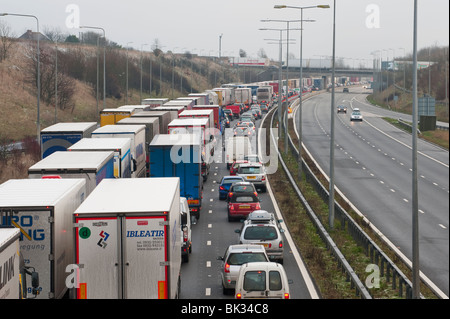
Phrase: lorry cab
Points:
(262, 280)
(186, 230)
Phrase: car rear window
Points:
(244, 198)
(255, 281)
(260, 233)
(250, 170)
(232, 180)
(242, 188)
(275, 280)
(245, 257)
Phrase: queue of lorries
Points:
(107, 211)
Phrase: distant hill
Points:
(77, 82)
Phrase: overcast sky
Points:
(362, 26)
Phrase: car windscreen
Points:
(249, 170)
(241, 258)
(260, 233)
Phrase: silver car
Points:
(254, 173)
(262, 228)
(356, 115)
(234, 257)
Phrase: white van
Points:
(237, 148)
(262, 280)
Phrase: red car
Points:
(235, 166)
(242, 204)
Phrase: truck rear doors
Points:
(113, 253)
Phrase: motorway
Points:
(200, 278)
(373, 169)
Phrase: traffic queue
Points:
(98, 172)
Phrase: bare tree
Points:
(6, 40)
(55, 34)
(48, 76)
(262, 53)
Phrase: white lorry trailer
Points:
(120, 146)
(137, 135)
(42, 210)
(9, 263)
(128, 240)
(60, 136)
(93, 166)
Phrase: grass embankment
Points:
(329, 278)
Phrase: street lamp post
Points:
(301, 77)
(140, 90)
(415, 203)
(38, 122)
(104, 61)
(331, 191)
(287, 80)
(280, 79)
(126, 99)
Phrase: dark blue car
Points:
(225, 184)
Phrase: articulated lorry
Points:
(128, 240)
(264, 94)
(60, 136)
(111, 116)
(243, 95)
(42, 209)
(93, 166)
(217, 113)
(137, 135)
(151, 129)
(179, 155)
(120, 146)
(164, 118)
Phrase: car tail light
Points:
(227, 268)
(238, 296)
(258, 206)
(286, 296)
(231, 207)
(263, 178)
(221, 188)
(280, 245)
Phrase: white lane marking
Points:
(208, 292)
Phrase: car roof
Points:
(251, 164)
(245, 247)
(240, 161)
(243, 184)
(262, 266)
(232, 177)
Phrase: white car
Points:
(254, 173)
(234, 257)
(356, 115)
